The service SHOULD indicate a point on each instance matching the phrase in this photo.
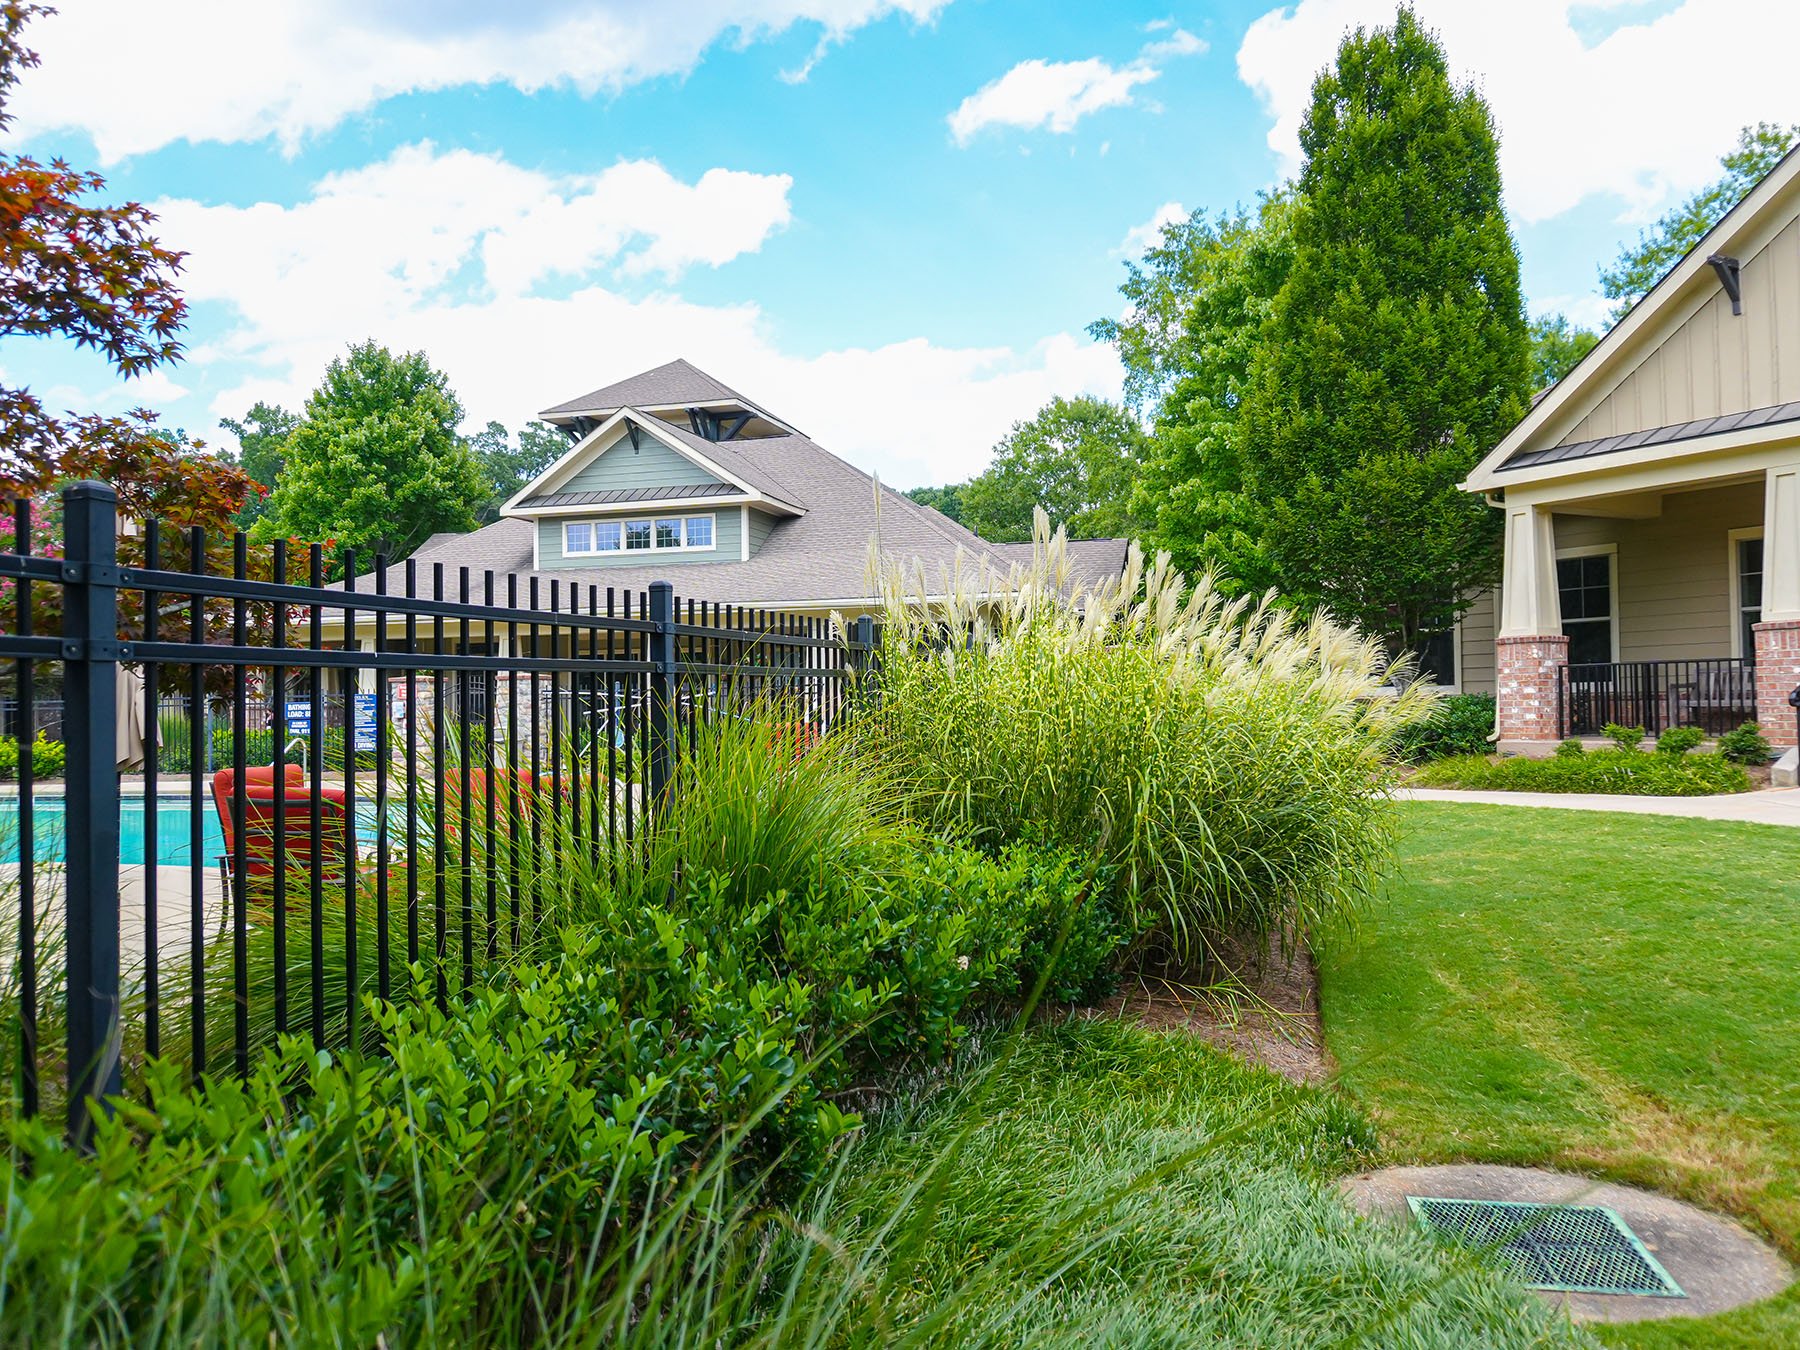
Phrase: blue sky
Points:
(891, 220)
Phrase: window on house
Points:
(1436, 655)
(1584, 587)
(578, 537)
(637, 535)
(609, 536)
(1749, 593)
(699, 531)
(668, 534)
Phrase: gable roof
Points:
(748, 473)
(1541, 441)
(674, 384)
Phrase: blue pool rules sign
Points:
(363, 706)
(298, 718)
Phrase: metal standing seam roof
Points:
(612, 496)
(1631, 440)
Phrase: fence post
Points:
(662, 689)
(91, 654)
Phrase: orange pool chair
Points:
(300, 801)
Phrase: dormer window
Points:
(665, 534)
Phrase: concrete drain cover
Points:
(1573, 1249)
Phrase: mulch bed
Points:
(1262, 1007)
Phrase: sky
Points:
(890, 221)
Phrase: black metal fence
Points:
(1716, 694)
(333, 785)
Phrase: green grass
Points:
(1608, 993)
(1107, 1185)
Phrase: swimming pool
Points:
(174, 825)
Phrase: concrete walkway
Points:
(1773, 806)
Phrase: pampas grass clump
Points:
(1226, 755)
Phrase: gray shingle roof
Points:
(755, 462)
(819, 556)
(677, 383)
(1631, 440)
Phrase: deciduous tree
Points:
(1077, 459)
(1556, 345)
(262, 443)
(1640, 266)
(376, 462)
(508, 466)
(1198, 301)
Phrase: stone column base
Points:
(1777, 674)
(1527, 671)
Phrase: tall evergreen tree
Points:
(376, 459)
(1396, 354)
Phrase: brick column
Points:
(1527, 671)
(1777, 673)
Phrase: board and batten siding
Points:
(1674, 570)
(727, 526)
(1716, 362)
(652, 464)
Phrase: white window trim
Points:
(1732, 539)
(1611, 552)
(623, 521)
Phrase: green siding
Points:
(652, 464)
(761, 523)
(726, 536)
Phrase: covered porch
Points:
(1658, 595)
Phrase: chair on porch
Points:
(261, 856)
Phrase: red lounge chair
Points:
(260, 853)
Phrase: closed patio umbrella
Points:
(129, 742)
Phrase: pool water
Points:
(174, 823)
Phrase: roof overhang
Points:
(609, 433)
(570, 417)
(1744, 232)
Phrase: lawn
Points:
(1099, 1184)
(1607, 993)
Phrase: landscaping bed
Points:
(1614, 770)
(1604, 993)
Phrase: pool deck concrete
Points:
(1773, 806)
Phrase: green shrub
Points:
(1626, 738)
(489, 1159)
(1679, 740)
(1227, 760)
(1462, 724)
(1570, 746)
(1746, 745)
(1612, 770)
(47, 757)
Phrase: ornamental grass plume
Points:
(1224, 753)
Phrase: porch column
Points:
(1530, 650)
(1778, 635)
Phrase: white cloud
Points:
(1052, 94)
(1643, 113)
(1149, 234)
(137, 75)
(1058, 94)
(455, 253)
(1584, 311)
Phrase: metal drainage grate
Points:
(1575, 1249)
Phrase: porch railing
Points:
(1716, 694)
